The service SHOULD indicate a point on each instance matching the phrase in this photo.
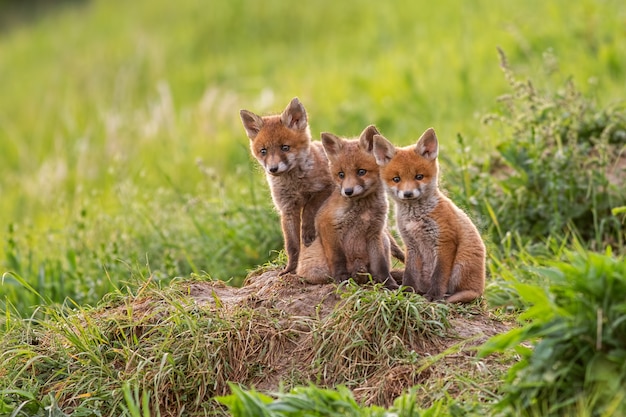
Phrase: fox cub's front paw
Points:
(308, 237)
(291, 267)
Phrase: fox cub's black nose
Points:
(348, 191)
(408, 194)
(273, 169)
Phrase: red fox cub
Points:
(296, 170)
(351, 225)
(445, 255)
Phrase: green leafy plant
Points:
(301, 401)
(577, 327)
(312, 401)
(557, 171)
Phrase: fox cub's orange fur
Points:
(445, 255)
(296, 170)
(351, 225)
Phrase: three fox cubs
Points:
(331, 197)
(296, 170)
(445, 255)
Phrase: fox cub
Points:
(445, 255)
(351, 225)
(296, 170)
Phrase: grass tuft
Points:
(373, 333)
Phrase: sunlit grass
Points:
(123, 165)
(100, 98)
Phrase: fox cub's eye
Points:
(395, 179)
(419, 177)
(263, 151)
(341, 174)
(361, 172)
(284, 148)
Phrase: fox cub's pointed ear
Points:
(383, 150)
(251, 122)
(332, 144)
(366, 140)
(427, 145)
(294, 116)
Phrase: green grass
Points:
(123, 161)
(108, 106)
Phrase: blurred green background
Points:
(121, 150)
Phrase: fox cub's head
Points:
(411, 172)
(279, 142)
(352, 164)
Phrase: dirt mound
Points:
(323, 321)
(183, 344)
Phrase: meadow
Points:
(124, 165)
